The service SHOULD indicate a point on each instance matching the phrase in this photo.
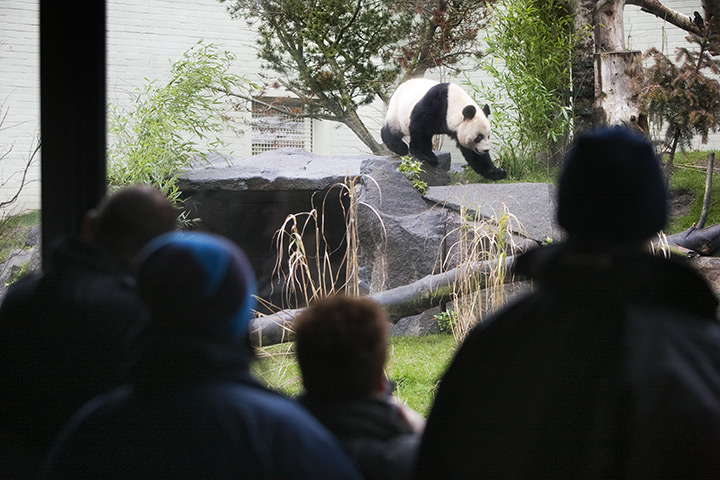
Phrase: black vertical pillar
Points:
(72, 95)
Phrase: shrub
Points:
(532, 112)
(170, 126)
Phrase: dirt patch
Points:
(680, 201)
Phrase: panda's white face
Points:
(473, 131)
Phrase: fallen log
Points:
(432, 290)
(424, 294)
(704, 241)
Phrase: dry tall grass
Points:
(661, 247)
(308, 274)
(477, 240)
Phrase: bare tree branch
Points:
(679, 19)
(277, 107)
(23, 181)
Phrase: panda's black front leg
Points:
(421, 148)
(482, 164)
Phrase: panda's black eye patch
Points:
(479, 138)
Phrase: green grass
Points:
(277, 369)
(415, 364)
(690, 174)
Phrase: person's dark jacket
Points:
(609, 368)
(192, 410)
(373, 432)
(65, 336)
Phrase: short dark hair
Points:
(128, 219)
(341, 346)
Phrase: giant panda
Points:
(421, 108)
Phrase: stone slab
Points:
(277, 170)
(533, 204)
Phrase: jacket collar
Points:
(618, 274)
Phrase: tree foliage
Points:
(173, 124)
(530, 45)
(443, 34)
(681, 97)
(331, 54)
(338, 55)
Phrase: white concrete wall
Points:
(146, 36)
(19, 100)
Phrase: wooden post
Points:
(616, 102)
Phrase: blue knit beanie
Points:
(197, 284)
(612, 188)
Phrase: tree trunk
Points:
(609, 29)
(583, 73)
(708, 190)
(353, 121)
(711, 9)
(670, 164)
(424, 294)
(616, 69)
(616, 101)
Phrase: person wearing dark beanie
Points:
(612, 188)
(610, 366)
(192, 409)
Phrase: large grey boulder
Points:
(21, 261)
(248, 200)
(402, 234)
(287, 169)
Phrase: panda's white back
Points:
(404, 100)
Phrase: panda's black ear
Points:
(486, 110)
(469, 112)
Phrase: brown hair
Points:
(341, 346)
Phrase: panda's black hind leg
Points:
(393, 141)
(421, 148)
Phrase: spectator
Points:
(192, 409)
(610, 367)
(341, 345)
(65, 333)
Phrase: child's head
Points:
(341, 346)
